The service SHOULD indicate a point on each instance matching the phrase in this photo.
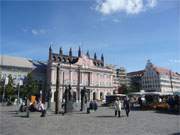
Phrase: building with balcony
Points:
(121, 76)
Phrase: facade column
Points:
(70, 75)
(51, 82)
(78, 83)
(52, 96)
(90, 77)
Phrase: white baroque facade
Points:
(160, 79)
(79, 72)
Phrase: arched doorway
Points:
(94, 95)
(101, 96)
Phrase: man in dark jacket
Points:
(127, 106)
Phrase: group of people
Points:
(118, 106)
(33, 107)
(37, 105)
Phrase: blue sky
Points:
(126, 34)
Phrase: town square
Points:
(82, 67)
(101, 122)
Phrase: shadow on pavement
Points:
(167, 112)
(109, 116)
(175, 133)
(20, 116)
(136, 109)
(139, 109)
(79, 112)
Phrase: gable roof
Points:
(165, 71)
(136, 73)
(21, 62)
(15, 61)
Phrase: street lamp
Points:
(20, 83)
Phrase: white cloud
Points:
(116, 20)
(174, 61)
(134, 6)
(38, 31)
(129, 6)
(151, 3)
(34, 32)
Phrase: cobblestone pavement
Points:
(101, 122)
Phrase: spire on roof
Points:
(149, 64)
(60, 51)
(79, 52)
(102, 58)
(88, 54)
(95, 57)
(50, 54)
(70, 52)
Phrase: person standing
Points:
(95, 106)
(27, 106)
(89, 106)
(127, 106)
(140, 102)
(42, 109)
(117, 107)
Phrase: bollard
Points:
(27, 112)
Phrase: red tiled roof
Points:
(165, 71)
(136, 73)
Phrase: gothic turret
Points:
(60, 51)
(95, 57)
(102, 58)
(50, 54)
(79, 52)
(88, 54)
(70, 52)
(61, 54)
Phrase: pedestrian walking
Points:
(117, 107)
(127, 106)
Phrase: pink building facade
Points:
(79, 72)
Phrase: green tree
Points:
(9, 89)
(1, 86)
(134, 87)
(30, 87)
(125, 89)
